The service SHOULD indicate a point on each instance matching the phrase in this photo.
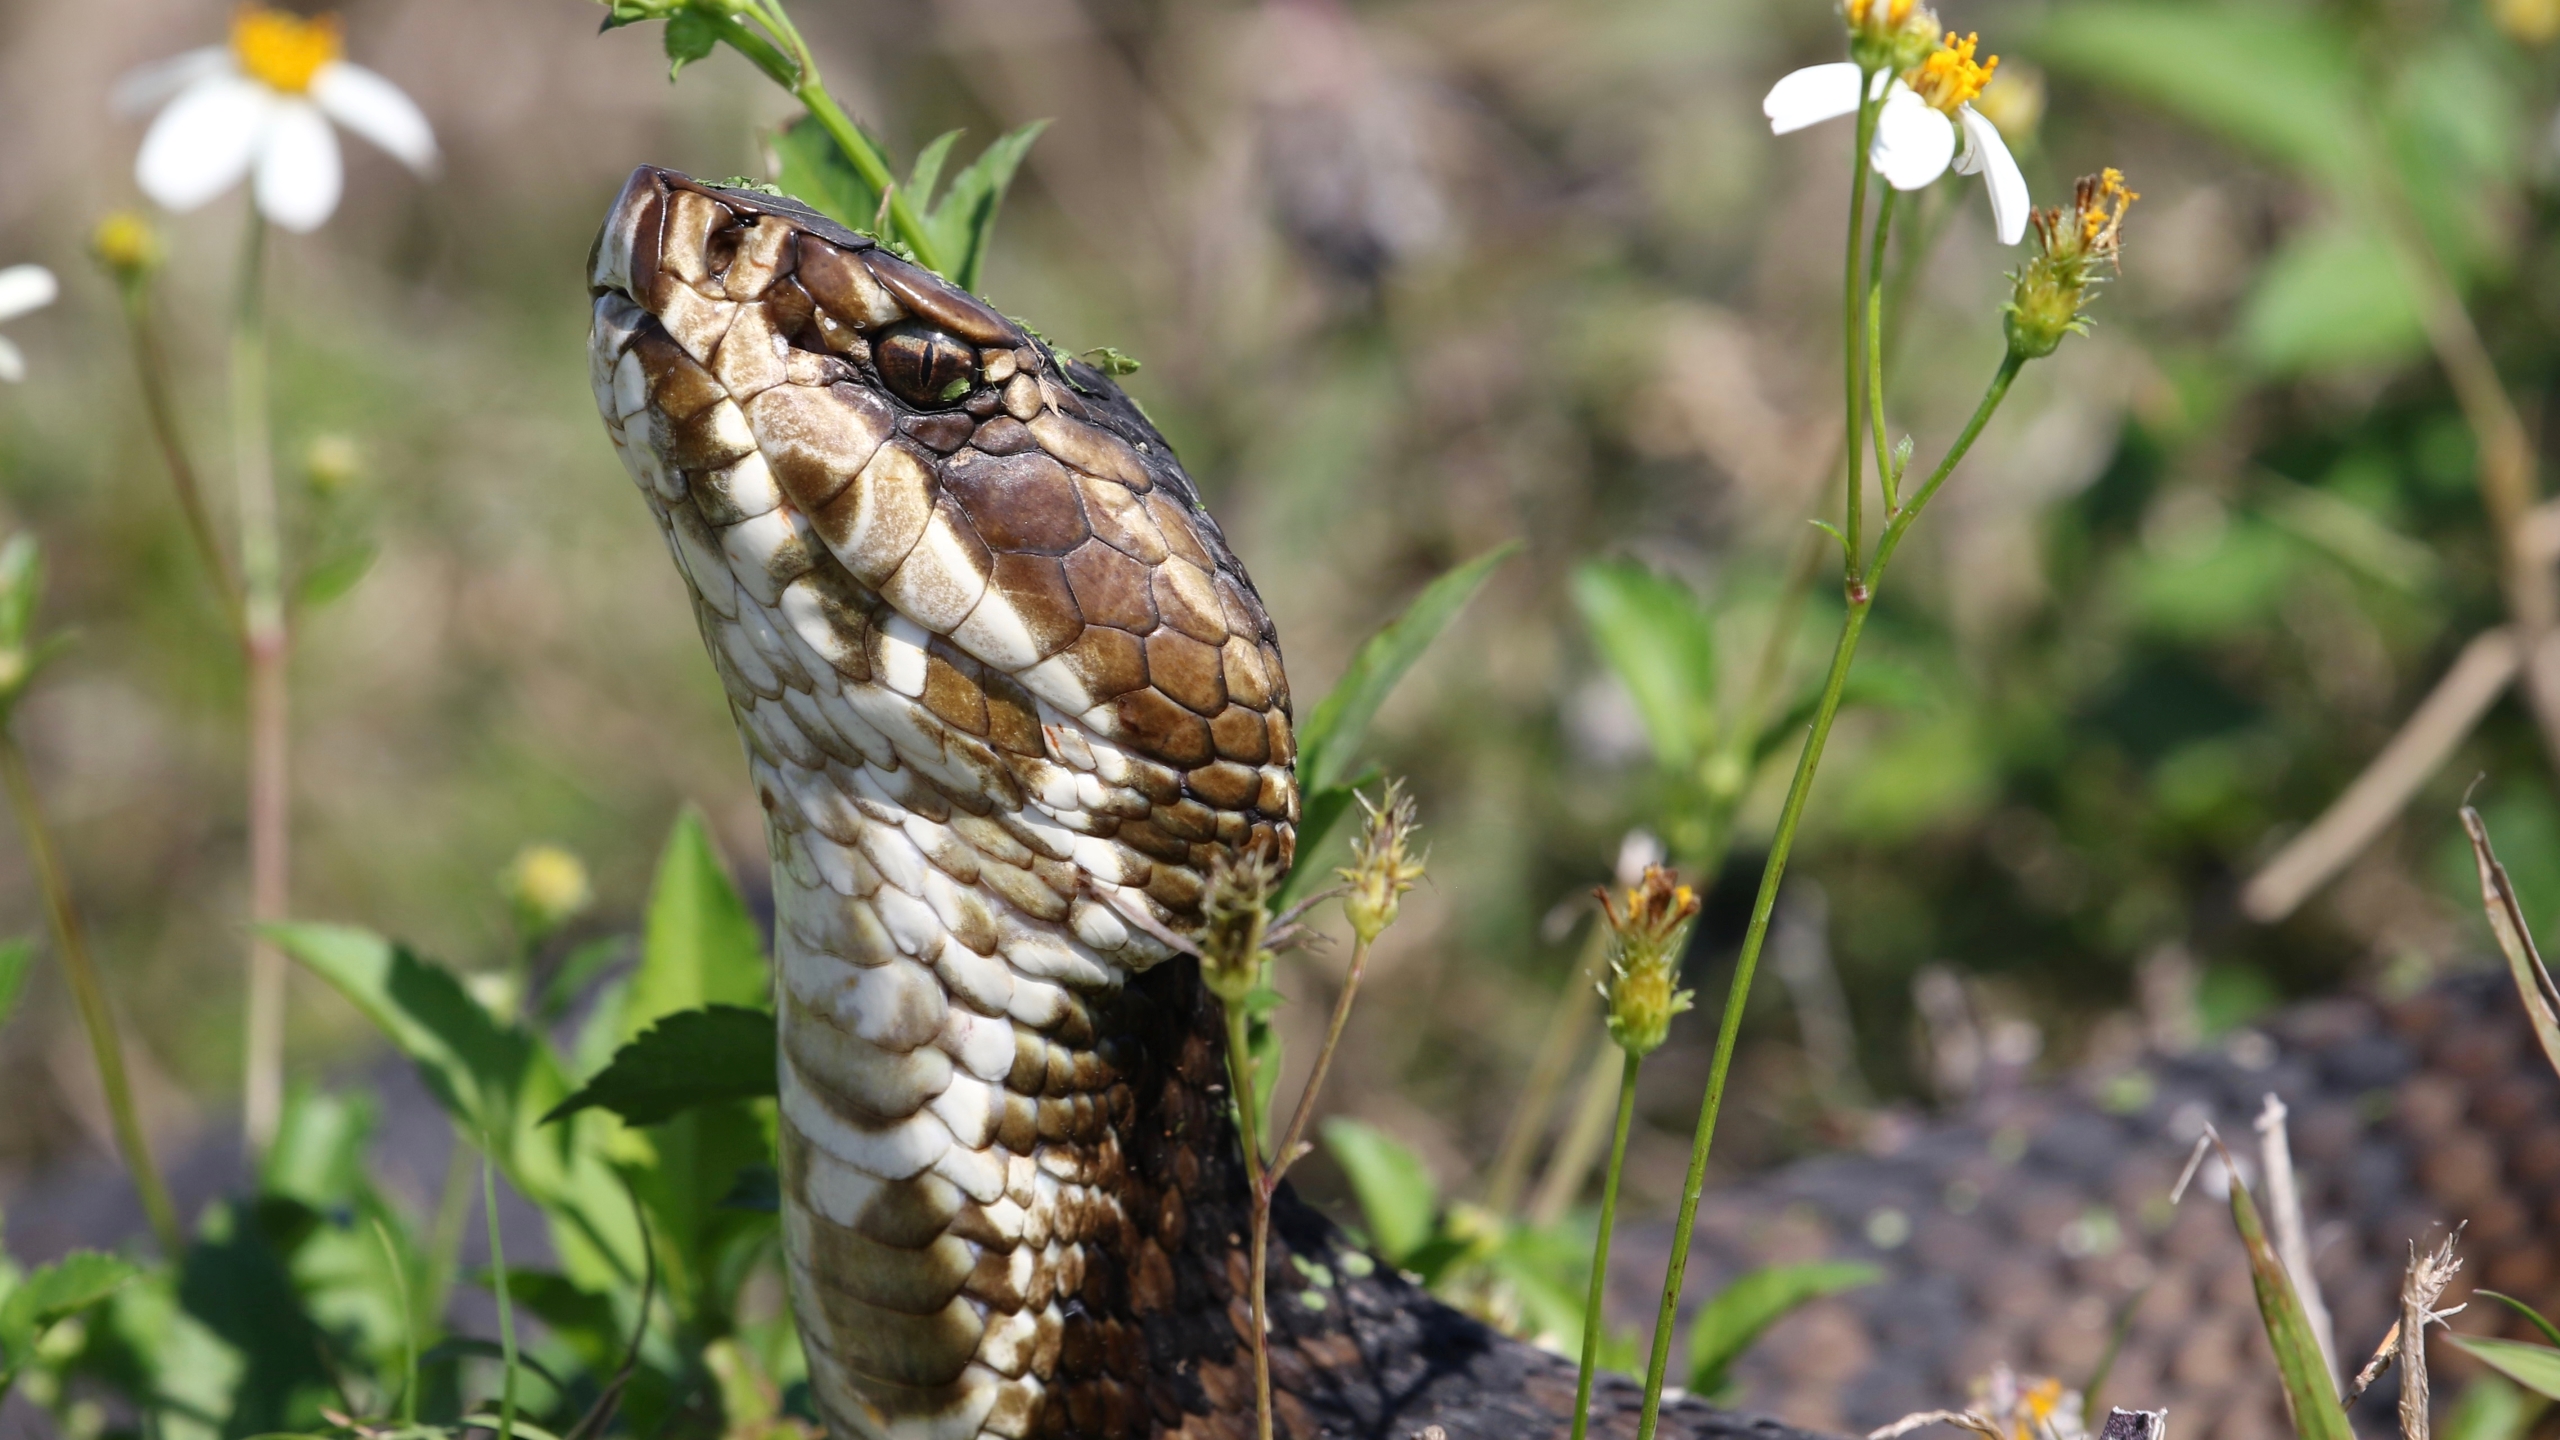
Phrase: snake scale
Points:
(1006, 694)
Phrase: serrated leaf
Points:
(1660, 643)
(1397, 1199)
(699, 946)
(1330, 738)
(474, 1065)
(17, 958)
(810, 169)
(1735, 1318)
(964, 222)
(2535, 1367)
(690, 36)
(56, 1292)
(688, 1059)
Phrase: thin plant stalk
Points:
(1591, 1318)
(1861, 591)
(159, 408)
(106, 1048)
(266, 647)
(1850, 358)
(506, 1307)
(408, 1323)
(1240, 1082)
(1886, 480)
(1293, 1142)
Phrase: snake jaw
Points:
(1005, 696)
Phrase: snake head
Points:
(932, 498)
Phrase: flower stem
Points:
(1293, 1140)
(1861, 600)
(1591, 1321)
(1886, 480)
(1240, 1082)
(265, 645)
(506, 1307)
(90, 996)
(151, 372)
(1850, 359)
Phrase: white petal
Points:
(203, 143)
(1811, 96)
(1914, 141)
(377, 110)
(142, 88)
(1985, 151)
(299, 174)
(13, 366)
(24, 288)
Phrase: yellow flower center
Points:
(1949, 77)
(281, 50)
(1880, 16)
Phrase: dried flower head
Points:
(2074, 242)
(1235, 916)
(548, 888)
(1382, 866)
(1646, 937)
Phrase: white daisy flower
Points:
(263, 104)
(22, 288)
(1925, 111)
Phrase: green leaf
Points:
(1661, 643)
(2490, 1409)
(2332, 297)
(1397, 1199)
(964, 223)
(690, 36)
(2310, 1396)
(334, 577)
(2279, 82)
(699, 947)
(688, 1059)
(2535, 1367)
(1751, 1304)
(54, 1293)
(2549, 1331)
(474, 1065)
(17, 958)
(809, 168)
(1331, 736)
(927, 171)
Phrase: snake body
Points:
(1006, 694)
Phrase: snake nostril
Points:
(923, 366)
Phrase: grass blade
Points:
(2309, 1396)
(2515, 938)
(2549, 1331)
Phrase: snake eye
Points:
(924, 366)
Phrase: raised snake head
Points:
(1006, 696)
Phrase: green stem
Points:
(408, 1323)
(1876, 430)
(506, 1308)
(106, 1049)
(1240, 1082)
(1849, 328)
(1591, 1320)
(1294, 1138)
(265, 645)
(151, 372)
(1861, 600)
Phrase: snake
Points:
(1007, 698)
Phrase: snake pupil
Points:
(923, 366)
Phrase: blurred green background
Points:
(1408, 279)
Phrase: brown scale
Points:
(1066, 502)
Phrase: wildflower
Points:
(1235, 914)
(263, 103)
(23, 288)
(548, 887)
(2029, 1408)
(1645, 943)
(2053, 286)
(333, 463)
(126, 246)
(1381, 870)
(1927, 105)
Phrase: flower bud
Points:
(1381, 867)
(548, 888)
(1891, 35)
(332, 462)
(2073, 242)
(1235, 913)
(126, 246)
(1646, 938)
